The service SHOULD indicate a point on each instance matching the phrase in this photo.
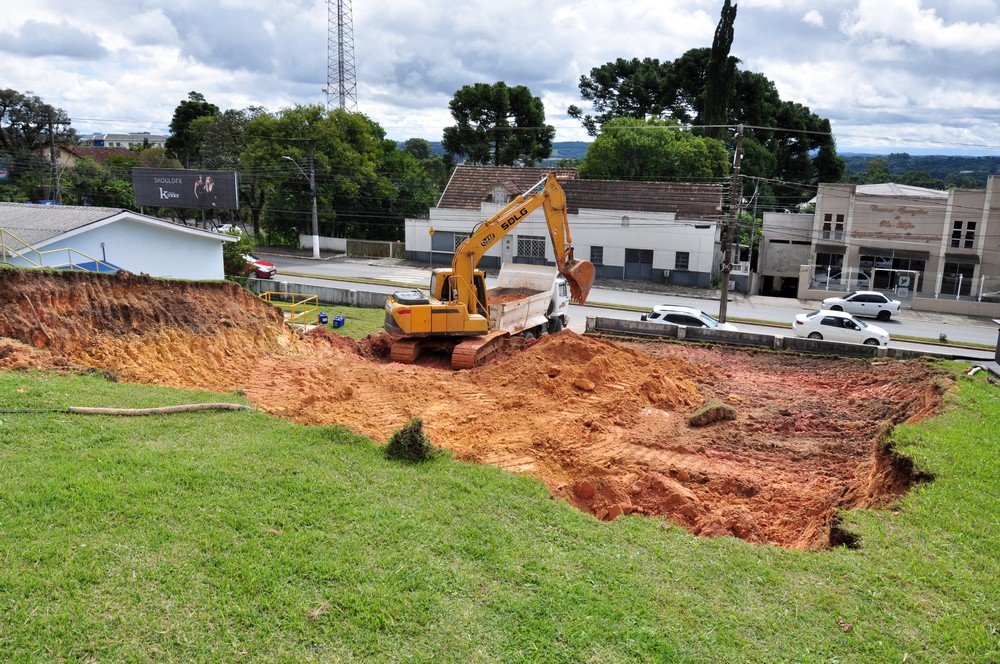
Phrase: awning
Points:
(895, 253)
(962, 258)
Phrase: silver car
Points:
(864, 303)
(681, 315)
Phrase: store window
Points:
(963, 235)
(597, 255)
(682, 260)
(833, 227)
(957, 278)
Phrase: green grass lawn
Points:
(236, 536)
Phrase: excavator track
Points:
(471, 352)
(405, 350)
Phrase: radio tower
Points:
(340, 78)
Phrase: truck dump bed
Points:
(522, 296)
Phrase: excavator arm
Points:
(547, 194)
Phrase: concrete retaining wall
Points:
(598, 325)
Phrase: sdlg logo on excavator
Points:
(505, 225)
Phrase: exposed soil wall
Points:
(788, 440)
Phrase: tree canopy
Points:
(653, 149)
(182, 142)
(365, 186)
(704, 88)
(28, 125)
(498, 125)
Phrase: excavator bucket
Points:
(579, 277)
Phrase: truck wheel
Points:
(555, 325)
(528, 334)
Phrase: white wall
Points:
(661, 232)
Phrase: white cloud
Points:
(813, 17)
(920, 70)
(905, 21)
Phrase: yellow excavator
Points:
(459, 317)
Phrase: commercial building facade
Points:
(935, 250)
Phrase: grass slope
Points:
(235, 536)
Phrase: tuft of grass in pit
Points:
(236, 536)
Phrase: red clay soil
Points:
(787, 440)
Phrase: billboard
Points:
(185, 188)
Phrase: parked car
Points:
(864, 303)
(681, 315)
(838, 326)
(259, 268)
(859, 280)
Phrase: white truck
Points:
(528, 300)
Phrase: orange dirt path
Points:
(605, 425)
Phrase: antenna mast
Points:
(341, 82)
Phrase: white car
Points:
(864, 303)
(681, 315)
(838, 326)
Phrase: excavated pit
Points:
(786, 441)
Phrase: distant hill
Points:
(937, 166)
(560, 150)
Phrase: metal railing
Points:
(300, 310)
(73, 257)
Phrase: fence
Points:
(375, 249)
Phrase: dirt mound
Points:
(605, 425)
(147, 330)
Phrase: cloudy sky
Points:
(918, 76)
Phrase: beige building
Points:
(934, 250)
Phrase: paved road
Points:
(769, 315)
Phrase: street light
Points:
(311, 178)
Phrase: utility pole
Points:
(311, 177)
(735, 196)
(52, 191)
(312, 192)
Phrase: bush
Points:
(411, 443)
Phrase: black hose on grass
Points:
(84, 410)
